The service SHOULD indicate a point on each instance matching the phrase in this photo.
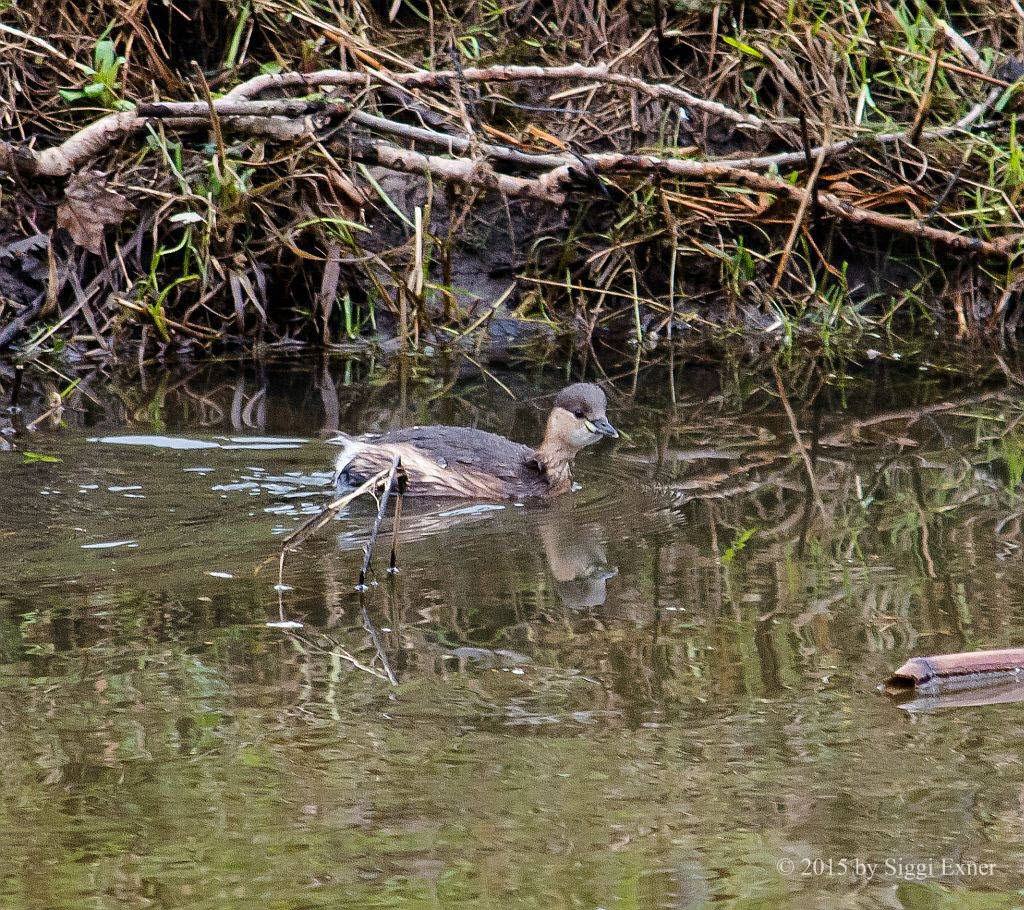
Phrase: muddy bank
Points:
(606, 175)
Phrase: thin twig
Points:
(392, 475)
(799, 442)
(914, 133)
(798, 220)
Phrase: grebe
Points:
(474, 464)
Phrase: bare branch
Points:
(679, 167)
(441, 78)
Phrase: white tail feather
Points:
(350, 447)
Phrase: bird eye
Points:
(579, 415)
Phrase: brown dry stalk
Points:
(1004, 247)
(798, 221)
(949, 67)
(914, 133)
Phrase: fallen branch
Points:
(288, 119)
(92, 141)
(64, 159)
(967, 669)
(442, 78)
(1002, 248)
(467, 171)
(299, 536)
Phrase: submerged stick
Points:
(968, 669)
(294, 540)
(392, 474)
(399, 492)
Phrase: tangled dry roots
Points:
(290, 171)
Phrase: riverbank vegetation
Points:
(254, 173)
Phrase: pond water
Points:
(659, 691)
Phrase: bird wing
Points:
(473, 449)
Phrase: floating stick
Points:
(299, 536)
(966, 670)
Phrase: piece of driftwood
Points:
(1009, 689)
(949, 672)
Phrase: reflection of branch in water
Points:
(339, 651)
(841, 437)
(798, 441)
(919, 490)
(324, 383)
(374, 634)
(922, 517)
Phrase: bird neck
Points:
(556, 466)
(554, 456)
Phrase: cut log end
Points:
(915, 672)
(967, 669)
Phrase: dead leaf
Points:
(89, 205)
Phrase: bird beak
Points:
(601, 425)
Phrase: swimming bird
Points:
(474, 464)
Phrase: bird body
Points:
(474, 464)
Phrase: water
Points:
(656, 692)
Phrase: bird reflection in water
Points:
(577, 558)
(575, 549)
